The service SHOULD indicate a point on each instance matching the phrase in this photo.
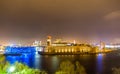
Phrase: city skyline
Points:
(26, 21)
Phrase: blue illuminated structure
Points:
(19, 50)
(22, 54)
(27, 59)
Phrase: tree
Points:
(79, 68)
(67, 67)
(3, 65)
(17, 68)
(116, 70)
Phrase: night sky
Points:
(83, 20)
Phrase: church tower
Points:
(49, 41)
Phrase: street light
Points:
(11, 69)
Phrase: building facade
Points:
(65, 49)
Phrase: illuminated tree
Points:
(79, 68)
(3, 65)
(116, 70)
(17, 68)
(66, 67)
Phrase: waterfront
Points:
(93, 64)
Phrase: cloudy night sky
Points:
(82, 20)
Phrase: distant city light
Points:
(74, 42)
(11, 45)
(69, 44)
(109, 46)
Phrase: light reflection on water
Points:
(99, 63)
(94, 64)
(53, 62)
(27, 59)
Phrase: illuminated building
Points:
(65, 49)
(37, 43)
(59, 42)
(2, 48)
(49, 41)
(74, 42)
(60, 46)
(40, 48)
(102, 45)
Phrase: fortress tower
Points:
(49, 41)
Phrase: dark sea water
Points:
(93, 64)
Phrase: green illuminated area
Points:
(66, 67)
(17, 68)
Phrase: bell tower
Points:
(49, 41)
